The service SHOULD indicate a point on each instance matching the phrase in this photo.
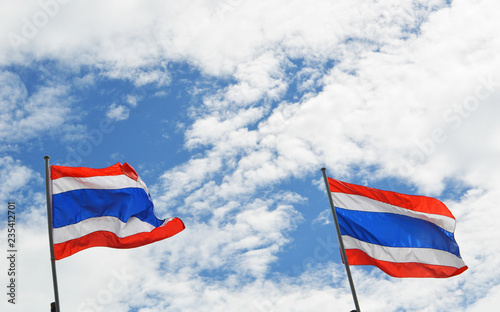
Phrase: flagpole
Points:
(48, 191)
(341, 242)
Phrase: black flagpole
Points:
(48, 191)
(341, 242)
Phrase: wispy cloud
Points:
(15, 175)
(117, 112)
(23, 115)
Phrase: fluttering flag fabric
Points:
(403, 235)
(109, 207)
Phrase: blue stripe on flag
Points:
(392, 230)
(75, 206)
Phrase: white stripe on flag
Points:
(67, 184)
(107, 223)
(404, 255)
(362, 203)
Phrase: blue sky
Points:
(228, 109)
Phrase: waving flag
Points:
(108, 207)
(403, 235)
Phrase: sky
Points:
(228, 109)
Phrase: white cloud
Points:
(14, 176)
(129, 47)
(489, 302)
(324, 217)
(117, 112)
(386, 114)
(23, 115)
(132, 100)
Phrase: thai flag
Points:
(403, 235)
(108, 207)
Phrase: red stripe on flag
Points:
(407, 269)
(129, 172)
(84, 172)
(411, 202)
(108, 239)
